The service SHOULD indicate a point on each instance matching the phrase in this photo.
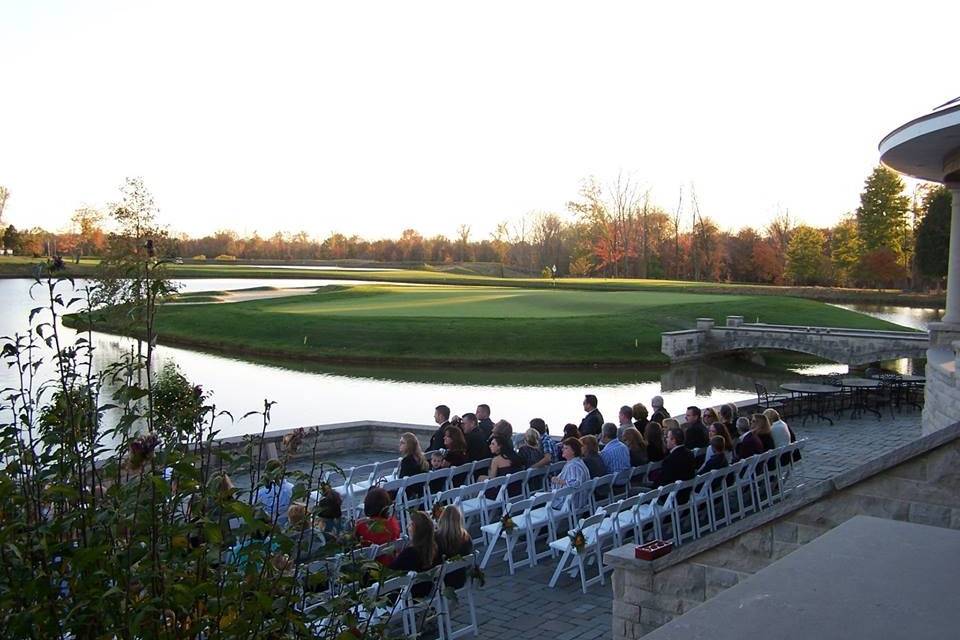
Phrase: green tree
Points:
(805, 259)
(933, 234)
(882, 214)
(11, 238)
(845, 249)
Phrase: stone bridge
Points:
(855, 347)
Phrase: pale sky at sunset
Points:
(368, 118)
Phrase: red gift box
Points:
(653, 549)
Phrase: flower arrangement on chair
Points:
(578, 540)
(506, 523)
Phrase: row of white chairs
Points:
(392, 601)
(681, 511)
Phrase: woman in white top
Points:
(778, 428)
(574, 472)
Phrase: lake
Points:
(310, 393)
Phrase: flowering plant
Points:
(506, 523)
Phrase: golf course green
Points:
(467, 325)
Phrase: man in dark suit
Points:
(659, 413)
(592, 423)
(483, 421)
(441, 416)
(679, 463)
(477, 448)
(694, 431)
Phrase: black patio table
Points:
(811, 397)
(861, 388)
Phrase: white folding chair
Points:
(463, 594)
(620, 514)
(529, 517)
(647, 513)
(422, 607)
(603, 493)
(595, 535)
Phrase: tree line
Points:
(893, 239)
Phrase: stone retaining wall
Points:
(942, 393)
(919, 482)
(341, 438)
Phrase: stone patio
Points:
(523, 605)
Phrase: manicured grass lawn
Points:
(24, 267)
(474, 325)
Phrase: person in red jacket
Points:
(379, 526)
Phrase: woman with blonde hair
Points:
(778, 429)
(760, 425)
(413, 461)
(421, 554)
(637, 445)
(529, 449)
(453, 541)
(752, 443)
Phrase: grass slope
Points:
(26, 267)
(471, 325)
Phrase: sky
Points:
(373, 117)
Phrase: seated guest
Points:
(742, 427)
(625, 416)
(476, 441)
(593, 421)
(718, 458)
(455, 445)
(379, 526)
(503, 428)
(547, 446)
(717, 430)
(656, 448)
(571, 430)
(453, 541)
(328, 512)
(778, 428)
(636, 446)
(309, 542)
(505, 459)
(750, 443)
(441, 415)
(659, 413)
(574, 472)
(421, 554)
(413, 461)
(760, 425)
(679, 463)
(275, 498)
(640, 414)
(484, 421)
(615, 454)
(694, 431)
(529, 451)
(591, 456)
(709, 416)
(728, 414)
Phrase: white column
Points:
(952, 312)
